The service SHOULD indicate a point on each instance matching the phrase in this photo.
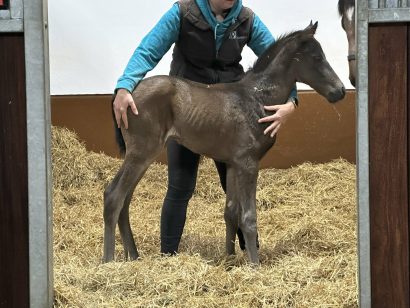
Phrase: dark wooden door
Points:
(14, 272)
(389, 163)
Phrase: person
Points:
(209, 37)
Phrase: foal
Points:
(219, 121)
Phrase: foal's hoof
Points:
(106, 260)
(254, 266)
(132, 256)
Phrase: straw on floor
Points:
(307, 233)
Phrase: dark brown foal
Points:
(219, 121)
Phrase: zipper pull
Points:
(217, 51)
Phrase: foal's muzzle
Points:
(337, 95)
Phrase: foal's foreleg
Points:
(246, 184)
(241, 208)
(231, 211)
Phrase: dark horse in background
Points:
(219, 121)
(347, 12)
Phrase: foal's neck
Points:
(273, 85)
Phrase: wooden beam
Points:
(14, 264)
(388, 155)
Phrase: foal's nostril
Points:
(337, 95)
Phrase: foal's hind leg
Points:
(112, 209)
(125, 230)
(117, 197)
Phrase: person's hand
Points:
(122, 100)
(278, 118)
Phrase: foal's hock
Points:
(221, 122)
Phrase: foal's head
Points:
(347, 12)
(299, 57)
(311, 67)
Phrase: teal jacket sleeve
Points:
(261, 39)
(151, 49)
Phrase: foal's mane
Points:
(344, 5)
(272, 51)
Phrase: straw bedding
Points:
(307, 233)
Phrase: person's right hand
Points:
(122, 100)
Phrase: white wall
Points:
(91, 42)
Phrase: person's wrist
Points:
(292, 100)
(123, 91)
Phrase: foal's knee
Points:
(247, 223)
(231, 213)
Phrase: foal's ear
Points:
(311, 29)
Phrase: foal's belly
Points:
(208, 122)
(220, 144)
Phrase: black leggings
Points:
(182, 173)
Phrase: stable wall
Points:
(317, 132)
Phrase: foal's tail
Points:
(118, 135)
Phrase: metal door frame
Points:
(30, 18)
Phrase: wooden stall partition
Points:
(14, 259)
(317, 132)
(389, 161)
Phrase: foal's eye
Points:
(317, 58)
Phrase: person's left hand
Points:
(278, 118)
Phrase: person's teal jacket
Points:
(166, 32)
